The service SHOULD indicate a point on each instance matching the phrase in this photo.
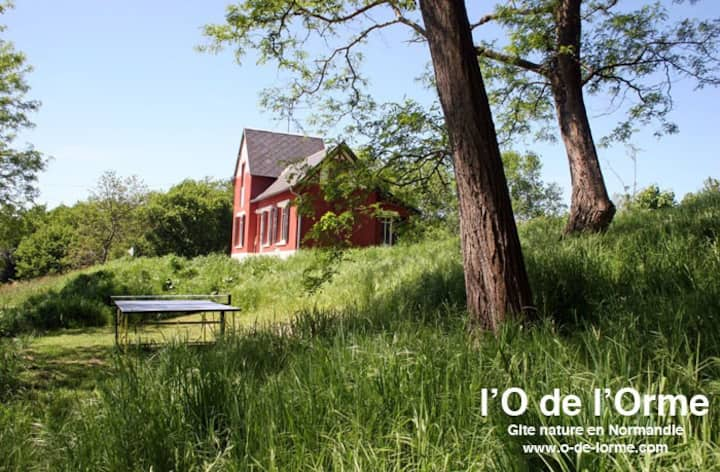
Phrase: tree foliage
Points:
(108, 222)
(628, 53)
(47, 250)
(711, 187)
(406, 146)
(408, 150)
(531, 197)
(190, 219)
(280, 31)
(631, 54)
(18, 166)
(652, 198)
(15, 225)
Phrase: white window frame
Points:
(264, 226)
(284, 222)
(240, 230)
(387, 223)
(272, 226)
(261, 229)
(242, 184)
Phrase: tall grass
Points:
(377, 370)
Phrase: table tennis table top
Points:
(171, 306)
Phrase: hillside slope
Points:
(375, 370)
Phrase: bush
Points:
(83, 301)
(652, 198)
(191, 219)
(46, 250)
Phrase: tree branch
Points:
(339, 19)
(510, 11)
(408, 22)
(508, 59)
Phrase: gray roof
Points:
(291, 174)
(269, 153)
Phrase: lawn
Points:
(77, 358)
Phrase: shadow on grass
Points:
(74, 368)
(83, 301)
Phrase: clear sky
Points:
(123, 89)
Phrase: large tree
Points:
(554, 52)
(495, 277)
(192, 218)
(109, 222)
(18, 166)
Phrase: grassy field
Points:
(375, 370)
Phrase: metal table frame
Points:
(122, 315)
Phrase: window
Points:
(261, 217)
(240, 231)
(387, 229)
(273, 225)
(242, 184)
(285, 226)
(267, 226)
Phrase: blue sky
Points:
(124, 89)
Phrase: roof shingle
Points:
(291, 175)
(269, 153)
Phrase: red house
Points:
(269, 169)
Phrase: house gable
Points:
(242, 159)
(268, 153)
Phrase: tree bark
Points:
(590, 208)
(496, 282)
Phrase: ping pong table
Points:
(170, 305)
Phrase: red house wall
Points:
(291, 243)
(367, 230)
(251, 186)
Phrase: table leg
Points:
(117, 334)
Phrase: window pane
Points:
(241, 231)
(266, 215)
(272, 225)
(387, 224)
(285, 223)
(261, 217)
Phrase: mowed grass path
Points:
(80, 357)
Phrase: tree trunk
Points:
(495, 279)
(590, 208)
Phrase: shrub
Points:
(193, 218)
(44, 252)
(652, 198)
(83, 301)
